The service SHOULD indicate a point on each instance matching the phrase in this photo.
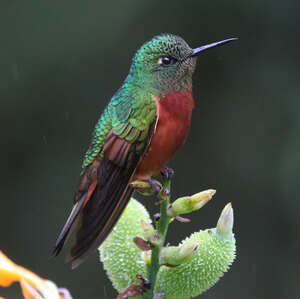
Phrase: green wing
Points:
(128, 116)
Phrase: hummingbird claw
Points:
(168, 172)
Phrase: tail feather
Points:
(102, 211)
(86, 187)
(82, 254)
(68, 227)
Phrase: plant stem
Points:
(162, 228)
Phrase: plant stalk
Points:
(162, 228)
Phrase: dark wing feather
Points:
(101, 212)
(110, 197)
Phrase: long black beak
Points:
(203, 48)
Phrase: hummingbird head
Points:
(166, 63)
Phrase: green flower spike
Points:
(122, 258)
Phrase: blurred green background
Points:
(61, 61)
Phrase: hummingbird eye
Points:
(166, 61)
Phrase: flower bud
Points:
(225, 222)
(145, 188)
(150, 234)
(187, 204)
(177, 255)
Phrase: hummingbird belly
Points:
(174, 112)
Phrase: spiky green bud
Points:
(120, 256)
(188, 204)
(215, 255)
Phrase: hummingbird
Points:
(144, 124)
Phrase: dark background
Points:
(61, 61)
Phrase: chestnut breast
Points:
(174, 112)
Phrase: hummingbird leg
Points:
(168, 172)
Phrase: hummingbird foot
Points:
(168, 172)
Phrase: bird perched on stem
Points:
(142, 127)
